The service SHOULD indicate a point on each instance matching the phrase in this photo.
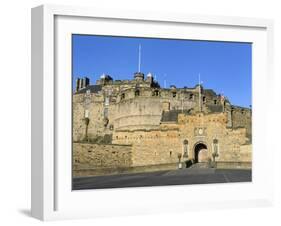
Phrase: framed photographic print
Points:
(137, 112)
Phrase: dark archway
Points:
(200, 153)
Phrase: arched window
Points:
(137, 93)
(122, 96)
(204, 99)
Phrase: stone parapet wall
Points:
(152, 147)
(96, 156)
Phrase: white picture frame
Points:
(52, 197)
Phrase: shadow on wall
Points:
(106, 139)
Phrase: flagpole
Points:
(139, 58)
(199, 93)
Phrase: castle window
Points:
(215, 101)
(171, 153)
(191, 96)
(86, 113)
(137, 93)
(185, 148)
(156, 93)
(204, 99)
(122, 96)
(106, 102)
(174, 94)
(105, 113)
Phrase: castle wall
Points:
(151, 147)
(214, 126)
(89, 157)
(93, 108)
(140, 138)
(78, 126)
(162, 146)
(242, 118)
(139, 112)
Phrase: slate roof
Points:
(215, 108)
(92, 88)
(209, 92)
(172, 115)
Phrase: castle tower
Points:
(139, 76)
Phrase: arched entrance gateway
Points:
(200, 153)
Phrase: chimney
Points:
(82, 83)
(77, 84)
(87, 81)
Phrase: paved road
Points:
(175, 177)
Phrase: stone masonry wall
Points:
(214, 126)
(151, 147)
(96, 156)
(242, 118)
(162, 145)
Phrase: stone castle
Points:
(136, 125)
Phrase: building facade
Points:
(136, 124)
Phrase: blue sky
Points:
(225, 67)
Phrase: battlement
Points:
(122, 90)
